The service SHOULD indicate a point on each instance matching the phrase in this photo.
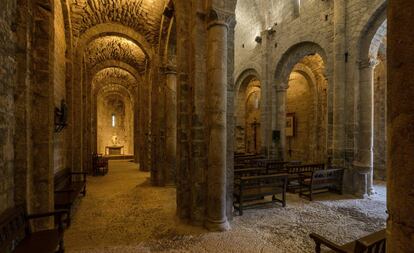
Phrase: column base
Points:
(217, 225)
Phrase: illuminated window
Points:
(113, 120)
(296, 8)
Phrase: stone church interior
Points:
(206, 126)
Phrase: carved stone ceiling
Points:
(115, 48)
(144, 16)
(113, 75)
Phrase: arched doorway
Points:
(248, 136)
(300, 127)
(306, 111)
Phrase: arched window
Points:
(296, 8)
(113, 120)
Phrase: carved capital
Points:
(168, 69)
(368, 63)
(221, 17)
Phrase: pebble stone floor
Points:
(122, 212)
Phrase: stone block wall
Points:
(7, 81)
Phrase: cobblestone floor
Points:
(123, 213)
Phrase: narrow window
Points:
(113, 120)
(296, 8)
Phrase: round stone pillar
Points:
(171, 125)
(281, 120)
(400, 142)
(216, 113)
(364, 161)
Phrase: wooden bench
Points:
(256, 188)
(16, 235)
(68, 188)
(321, 181)
(246, 172)
(373, 243)
(297, 172)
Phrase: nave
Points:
(122, 212)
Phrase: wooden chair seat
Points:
(65, 200)
(43, 241)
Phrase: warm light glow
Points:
(113, 120)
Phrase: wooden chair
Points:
(99, 164)
(17, 236)
(373, 243)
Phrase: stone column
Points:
(281, 120)
(136, 130)
(170, 125)
(216, 112)
(363, 165)
(400, 104)
(338, 141)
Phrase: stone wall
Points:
(59, 79)
(7, 82)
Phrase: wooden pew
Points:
(67, 188)
(297, 172)
(252, 171)
(373, 243)
(17, 236)
(321, 181)
(254, 189)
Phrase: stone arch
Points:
(117, 64)
(116, 30)
(244, 78)
(240, 98)
(370, 29)
(315, 149)
(292, 56)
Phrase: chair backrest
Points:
(295, 169)
(376, 246)
(12, 228)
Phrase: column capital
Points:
(168, 69)
(368, 63)
(220, 17)
(281, 88)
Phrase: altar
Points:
(114, 150)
